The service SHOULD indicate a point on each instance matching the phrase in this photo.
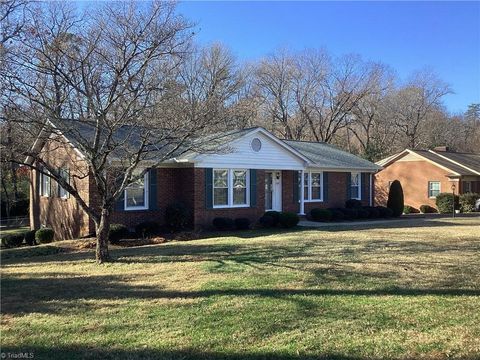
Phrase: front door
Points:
(273, 190)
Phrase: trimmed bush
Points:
(407, 209)
(444, 202)
(373, 213)
(363, 213)
(44, 236)
(337, 214)
(395, 200)
(321, 214)
(275, 215)
(223, 223)
(385, 212)
(467, 202)
(177, 216)
(353, 204)
(14, 240)
(117, 232)
(30, 237)
(427, 209)
(288, 219)
(266, 221)
(147, 229)
(242, 223)
(349, 214)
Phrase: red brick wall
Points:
(414, 177)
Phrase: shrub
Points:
(223, 223)
(363, 213)
(275, 215)
(30, 237)
(349, 214)
(385, 212)
(467, 201)
(117, 232)
(288, 219)
(13, 240)
(321, 214)
(373, 212)
(395, 200)
(337, 214)
(266, 221)
(44, 236)
(407, 209)
(242, 223)
(427, 209)
(444, 202)
(147, 229)
(177, 216)
(353, 204)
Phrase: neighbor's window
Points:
(45, 184)
(467, 186)
(312, 186)
(136, 194)
(433, 188)
(355, 184)
(230, 187)
(65, 174)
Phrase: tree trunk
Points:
(102, 228)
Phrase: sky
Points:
(442, 36)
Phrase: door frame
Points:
(276, 190)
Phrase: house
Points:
(259, 172)
(426, 173)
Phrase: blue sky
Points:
(444, 36)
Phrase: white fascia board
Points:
(200, 164)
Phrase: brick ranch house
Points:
(426, 173)
(259, 172)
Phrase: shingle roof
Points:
(469, 160)
(328, 156)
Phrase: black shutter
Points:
(152, 189)
(364, 187)
(209, 188)
(253, 187)
(325, 186)
(296, 175)
(349, 186)
(120, 204)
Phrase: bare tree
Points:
(109, 84)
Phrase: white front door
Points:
(273, 190)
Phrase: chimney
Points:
(441, 148)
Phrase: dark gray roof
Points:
(471, 161)
(329, 156)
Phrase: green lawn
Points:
(409, 291)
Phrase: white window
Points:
(433, 188)
(136, 194)
(65, 174)
(312, 186)
(44, 184)
(231, 188)
(355, 186)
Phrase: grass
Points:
(410, 290)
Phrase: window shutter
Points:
(152, 189)
(296, 175)
(120, 204)
(209, 188)
(325, 186)
(349, 185)
(364, 186)
(253, 187)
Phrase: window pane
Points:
(316, 195)
(305, 185)
(220, 178)
(354, 192)
(240, 179)
(316, 186)
(220, 196)
(239, 196)
(135, 194)
(355, 179)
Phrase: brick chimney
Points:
(441, 148)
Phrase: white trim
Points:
(439, 188)
(309, 187)
(43, 175)
(145, 194)
(302, 191)
(230, 204)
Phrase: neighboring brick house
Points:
(426, 173)
(259, 172)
